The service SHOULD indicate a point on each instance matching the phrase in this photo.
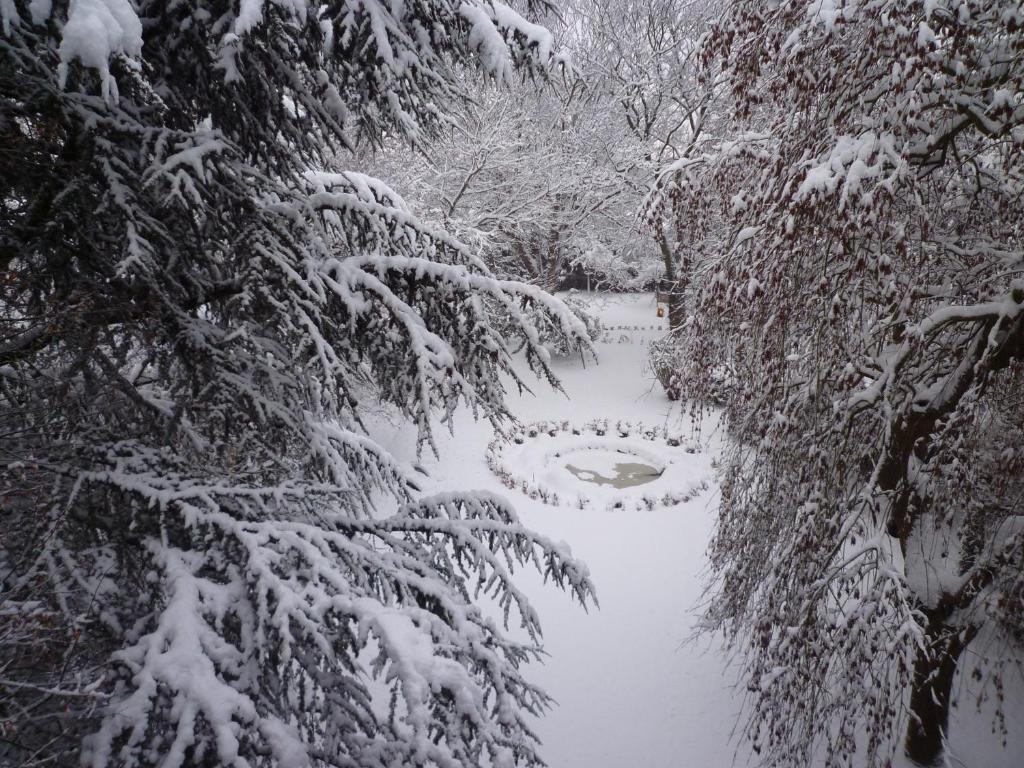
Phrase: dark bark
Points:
(934, 673)
(936, 665)
(120, 304)
(676, 314)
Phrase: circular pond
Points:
(597, 466)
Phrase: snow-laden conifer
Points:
(199, 564)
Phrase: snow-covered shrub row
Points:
(532, 460)
(631, 334)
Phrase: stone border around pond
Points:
(599, 428)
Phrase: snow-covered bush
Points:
(663, 358)
(630, 268)
(201, 562)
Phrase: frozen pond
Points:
(584, 466)
(624, 474)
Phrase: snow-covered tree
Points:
(860, 263)
(523, 171)
(202, 562)
(553, 179)
(641, 58)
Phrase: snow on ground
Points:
(630, 691)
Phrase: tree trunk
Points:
(934, 673)
(676, 315)
(675, 294)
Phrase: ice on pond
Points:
(624, 474)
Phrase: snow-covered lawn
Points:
(631, 692)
